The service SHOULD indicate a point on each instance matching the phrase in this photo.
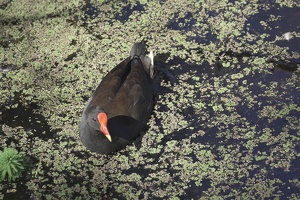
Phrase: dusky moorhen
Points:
(121, 105)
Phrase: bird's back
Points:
(126, 89)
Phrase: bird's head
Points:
(97, 120)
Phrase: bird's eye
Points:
(94, 119)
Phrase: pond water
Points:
(227, 124)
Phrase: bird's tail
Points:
(138, 50)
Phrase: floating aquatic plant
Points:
(11, 164)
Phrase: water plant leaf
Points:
(11, 164)
(3, 175)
